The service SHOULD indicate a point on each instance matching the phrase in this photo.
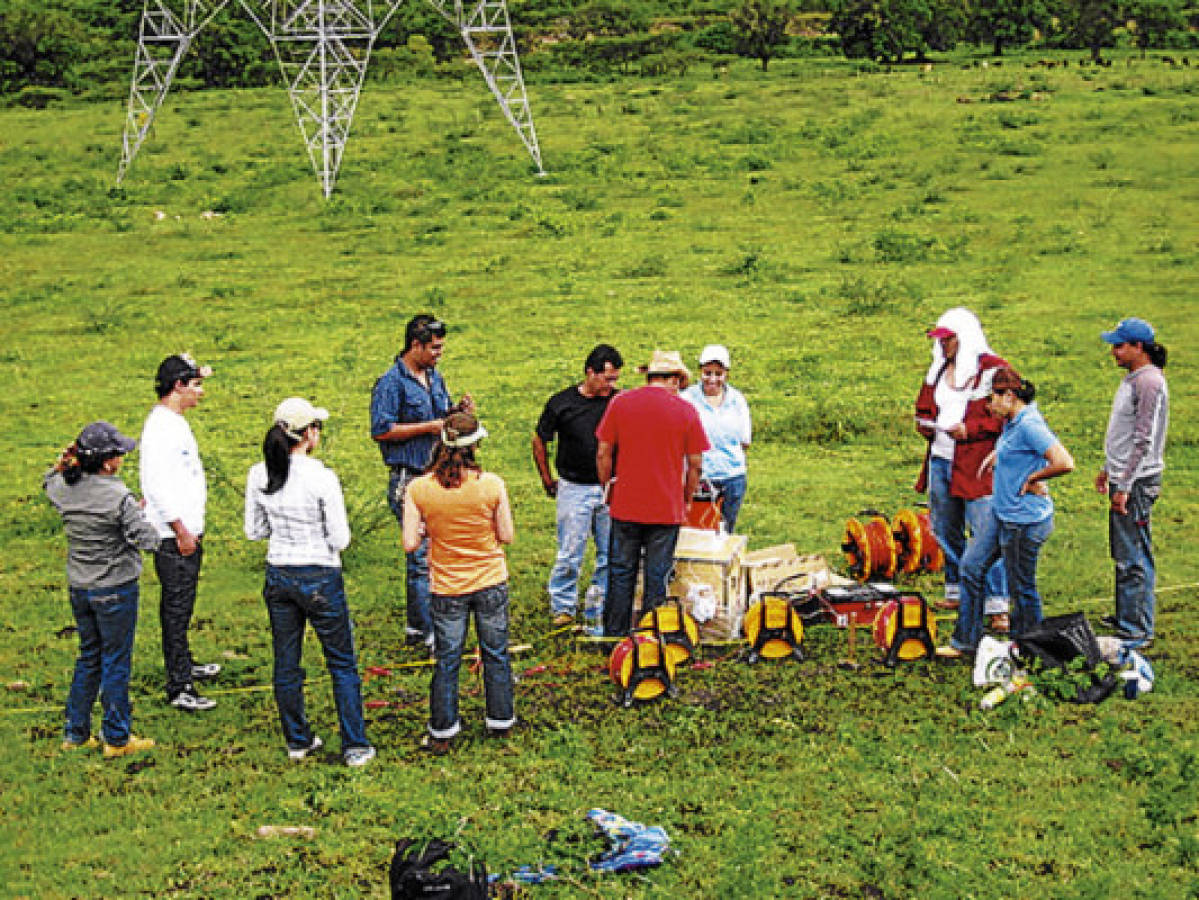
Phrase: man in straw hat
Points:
(651, 443)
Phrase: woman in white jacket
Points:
(296, 502)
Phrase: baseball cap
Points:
(295, 414)
(178, 367)
(717, 353)
(941, 332)
(103, 439)
(1131, 329)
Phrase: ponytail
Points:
(1027, 391)
(74, 462)
(1156, 353)
(276, 453)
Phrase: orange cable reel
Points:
(916, 544)
(869, 547)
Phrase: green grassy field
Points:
(816, 220)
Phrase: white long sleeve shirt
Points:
(305, 519)
(172, 475)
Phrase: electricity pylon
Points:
(323, 48)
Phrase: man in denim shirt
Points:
(408, 404)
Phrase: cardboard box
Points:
(771, 567)
(715, 560)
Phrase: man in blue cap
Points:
(1131, 476)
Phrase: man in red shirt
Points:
(649, 457)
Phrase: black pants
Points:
(179, 576)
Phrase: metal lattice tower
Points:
(323, 48)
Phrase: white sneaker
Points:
(359, 756)
(302, 752)
(191, 701)
(201, 671)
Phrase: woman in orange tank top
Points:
(466, 515)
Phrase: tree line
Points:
(79, 46)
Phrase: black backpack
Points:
(413, 876)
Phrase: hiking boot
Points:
(204, 671)
(92, 743)
(359, 756)
(133, 745)
(189, 700)
(561, 620)
(298, 753)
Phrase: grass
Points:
(816, 220)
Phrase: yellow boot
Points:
(134, 745)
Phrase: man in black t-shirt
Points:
(571, 417)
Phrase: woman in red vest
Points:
(953, 415)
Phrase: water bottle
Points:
(593, 610)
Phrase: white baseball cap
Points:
(295, 414)
(715, 353)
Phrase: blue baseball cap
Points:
(1128, 330)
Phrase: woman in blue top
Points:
(1026, 455)
(725, 416)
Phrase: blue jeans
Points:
(1130, 538)
(628, 541)
(732, 493)
(982, 554)
(1021, 546)
(106, 619)
(950, 516)
(451, 619)
(581, 512)
(420, 619)
(295, 595)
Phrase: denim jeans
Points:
(295, 595)
(451, 619)
(179, 576)
(1021, 546)
(628, 541)
(982, 554)
(732, 493)
(950, 516)
(581, 513)
(1130, 538)
(106, 619)
(420, 620)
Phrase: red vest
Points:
(982, 429)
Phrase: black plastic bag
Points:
(413, 874)
(1059, 640)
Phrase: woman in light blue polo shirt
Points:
(725, 416)
(1026, 455)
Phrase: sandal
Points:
(436, 746)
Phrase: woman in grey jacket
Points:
(105, 529)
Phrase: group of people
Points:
(989, 455)
(628, 466)
(454, 517)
